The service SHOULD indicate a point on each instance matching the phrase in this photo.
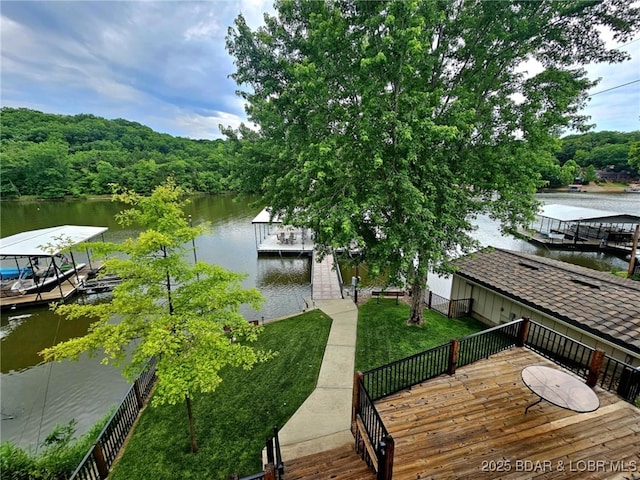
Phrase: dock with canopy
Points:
(273, 237)
(49, 271)
(586, 229)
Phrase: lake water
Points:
(36, 396)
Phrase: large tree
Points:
(183, 314)
(394, 123)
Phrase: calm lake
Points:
(37, 396)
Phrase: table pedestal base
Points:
(532, 405)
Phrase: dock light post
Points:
(354, 282)
(193, 243)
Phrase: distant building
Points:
(622, 176)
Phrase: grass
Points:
(233, 422)
(384, 336)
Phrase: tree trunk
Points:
(192, 429)
(416, 316)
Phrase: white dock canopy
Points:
(566, 213)
(264, 217)
(46, 242)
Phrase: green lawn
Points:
(232, 422)
(384, 336)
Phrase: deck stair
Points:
(339, 464)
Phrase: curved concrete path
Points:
(323, 421)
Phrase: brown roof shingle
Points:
(599, 302)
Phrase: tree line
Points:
(583, 155)
(53, 156)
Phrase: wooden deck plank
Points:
(448, 426)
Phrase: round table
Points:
(559, 388)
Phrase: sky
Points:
(164, 64)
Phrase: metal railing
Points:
(449, 308)
(98, 461)
(613, 375)
(404, 373)
(559, 348)
(488, 342)
(587, 362)
(622, 378)
(373, 442)
(274, 469)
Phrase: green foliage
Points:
(233, 421)
(392, 124)
(60, 455)
(50, 156)
(185, 315)
(604, 150)
(634, 156)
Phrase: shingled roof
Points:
(598, 302)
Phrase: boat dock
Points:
(60, 293)
(562, 227)
(275, 238)
(53, 275)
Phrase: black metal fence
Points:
(587, 362)
(274, 469)
(559, 348)
(621, 378)
(449, 308)
(98, 461)
(373, 442)
(613, 375)
(488, 342)
(406, 372)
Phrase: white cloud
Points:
(205, 126)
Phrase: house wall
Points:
(494, 309)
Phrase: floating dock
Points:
(275, 238)
(48, 247)
(562, 227)
(60, 293)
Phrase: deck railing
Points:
(611, 374)
(274, 468)
(587, 362)
(488, 342)
(406, 372)
(98, 461)
(373, 442)
(621, 378)
(559, 348)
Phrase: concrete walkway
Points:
(323, 421)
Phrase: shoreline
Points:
(591, 188)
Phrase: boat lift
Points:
(47, 244)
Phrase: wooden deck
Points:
(473, 425)
(338, 464)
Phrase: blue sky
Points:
(164, 64)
